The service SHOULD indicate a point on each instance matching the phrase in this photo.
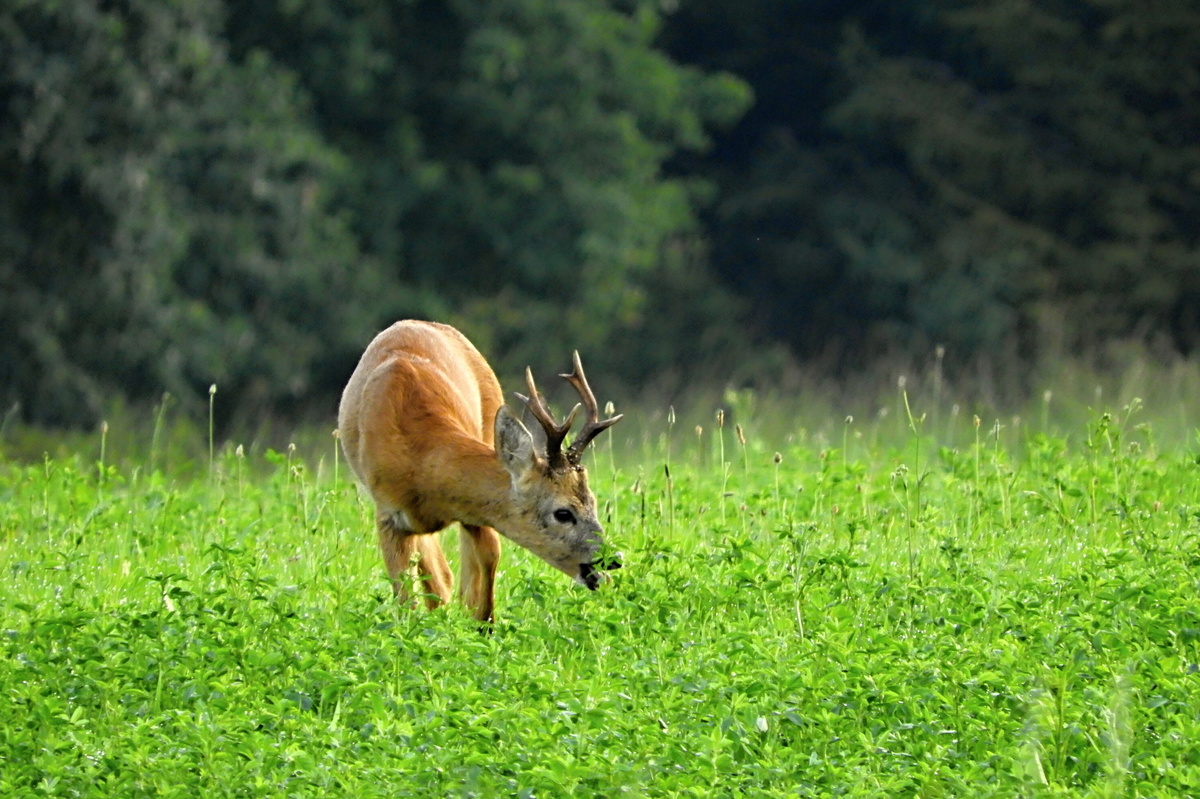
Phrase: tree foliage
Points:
(507, 155)
(974, 174)
(240, 193)
(164, 224)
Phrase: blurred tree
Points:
(1052, 144)
(506, 158)
(221, 191)
(163, 224)
(973, 174)
(788, 186)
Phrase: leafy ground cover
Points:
(1007, 617)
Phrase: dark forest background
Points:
(198, 192)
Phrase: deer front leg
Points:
(480, 553)
(433, 570)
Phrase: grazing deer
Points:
(424, 427)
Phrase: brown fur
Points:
(418, 422)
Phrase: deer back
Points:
(421, 391)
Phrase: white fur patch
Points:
(401, 520)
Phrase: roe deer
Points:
(424, 427)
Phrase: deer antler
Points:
(555, 433)
(592, 425)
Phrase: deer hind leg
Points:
(480, 549)
(433, 570)
(402, 550)
(396, 546)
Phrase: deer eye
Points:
(565, 516)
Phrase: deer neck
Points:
(474, 487)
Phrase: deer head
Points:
(559, 520)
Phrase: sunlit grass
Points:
(841, 610)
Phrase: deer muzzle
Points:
(590, 574)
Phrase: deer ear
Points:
(514, 444)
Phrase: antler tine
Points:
(555, 433)
(593, 425)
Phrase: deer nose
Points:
(590, 573)
(589, 576)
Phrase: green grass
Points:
(1018, 615)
